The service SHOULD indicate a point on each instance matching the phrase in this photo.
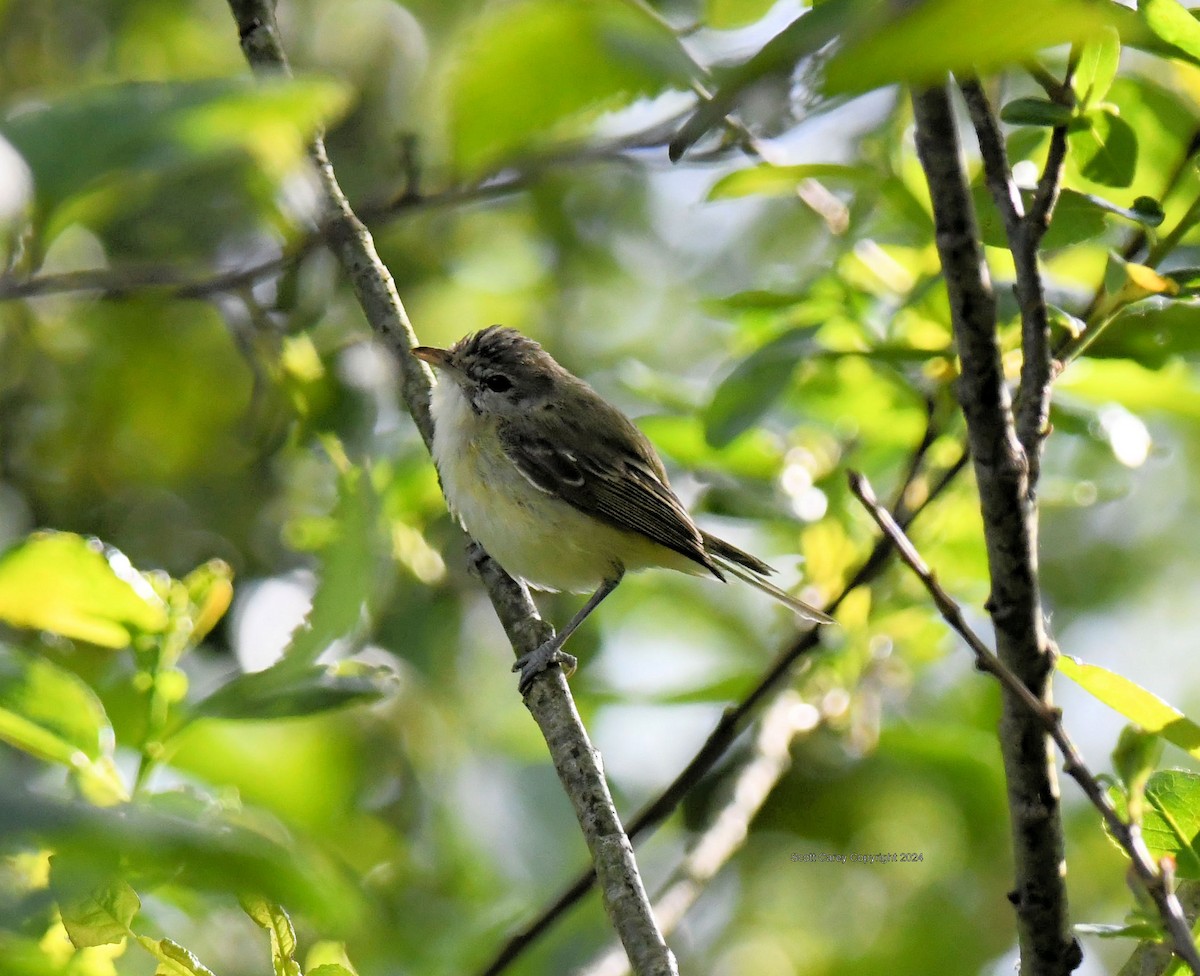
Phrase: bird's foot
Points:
(476, 557)
(535, 662)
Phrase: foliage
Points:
(255, 716)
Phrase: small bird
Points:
(559, 486)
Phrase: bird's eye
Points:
(498, 383)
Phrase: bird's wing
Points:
(607, 470)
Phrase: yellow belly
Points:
(535, 536)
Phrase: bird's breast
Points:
(534, 535)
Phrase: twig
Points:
(549, 700)
(787, 718)
(1010, 530)
(1127, 835)
(730, 726)
(118, 282)
(1025, 233)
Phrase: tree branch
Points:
(1127, 835)
(1010, 530)
(121, 281)
(549, 700)
(1024, 234)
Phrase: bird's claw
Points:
(544, 657)
(476, 557)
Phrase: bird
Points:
(559, 487)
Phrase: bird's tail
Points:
(749, 569)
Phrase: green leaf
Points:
(1173, 23)
(1133, 701)
(331, 969)
(62, 583)
(173, 959)
(728, 14)
(1078, 217)
(1141, 931)
(755, 455)
(1188, 280)
(350, 562)
(755, 384)
(1035, 111)
(51, 713)
(1145, 210)
(210, 591)
(802, 38)
(155, 128)
(289, 689)
(1171, 826)
(1106, 150)
(200, 848)
(101, 916)
(758, 299)
(1062, 319)
(1170, 389)
(921, 42)
(1098, 63)
(772, 180)
(275, 920)
(528, 71)
(1134, 759)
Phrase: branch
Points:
(1127, 835)
(787, 718)
(549, 700)
(1024, 234)
(730, 726)
(118, 282)
(1010, 532)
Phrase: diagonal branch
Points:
(549, 700)
(1010, 533)
(1127, 835)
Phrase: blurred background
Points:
(187, 378)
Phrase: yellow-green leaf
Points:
(782, 180)
(102, 916)
(1172, 22)
(50, 713)
(173, 959)
(62, 583)
(534, 69)
(1134, 702)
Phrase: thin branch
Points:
(727, 730)
(549, 700)
(1045, 198)
(995, 158)
(119, 282)
(1127, 835)
(770, 757)
(1010, 532)
(1024, 234)
(1049, 84)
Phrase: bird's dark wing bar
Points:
(620, 489)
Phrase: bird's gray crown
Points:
(499, 346)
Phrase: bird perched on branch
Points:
(559, 486)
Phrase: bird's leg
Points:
(550, 653)
(476, 556)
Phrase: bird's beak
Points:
(434, 356)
